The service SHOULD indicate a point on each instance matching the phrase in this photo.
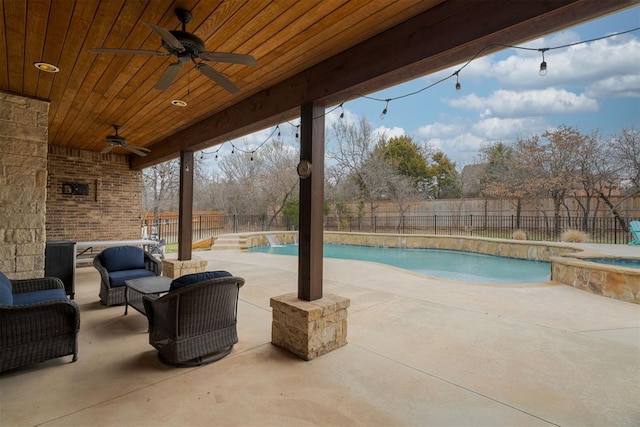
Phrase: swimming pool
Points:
(464, 266)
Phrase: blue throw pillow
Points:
(122, 258)
(6, 290)
(191, 279)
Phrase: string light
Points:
(458, 86)
(297, 133)
(384, 112)
(543, 64)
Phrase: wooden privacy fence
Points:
(600, 230)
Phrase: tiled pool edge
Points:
(567, 267)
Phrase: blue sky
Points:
(590, 86)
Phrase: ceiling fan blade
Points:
(233, 58)
(139, 148)
(106, 150)
(218, 78)
(134, 150)
(166, 36)
(168, 76)
(130, 51)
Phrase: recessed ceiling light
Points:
(44, 66)
(179, 103)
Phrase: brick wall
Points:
(23, 177)
(110, 210)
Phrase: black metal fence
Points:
(600, 230)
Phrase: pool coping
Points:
(568, 265)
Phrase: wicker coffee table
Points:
(138, 288)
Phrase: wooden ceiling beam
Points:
(446, 35)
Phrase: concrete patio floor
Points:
(421, 352)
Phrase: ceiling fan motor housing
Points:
(116, 139)
(192, 43)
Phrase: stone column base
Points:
(173, 268)
(309, 329)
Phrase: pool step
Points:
(229, 242)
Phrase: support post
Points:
(311, 202)
(185, 213)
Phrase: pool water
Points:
(620, 262)
(464, 266)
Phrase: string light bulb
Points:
(297, 133)
(252, 156)
(458, 85)
(342, 113)
(384, 112)
(543, 64)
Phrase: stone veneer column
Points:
(173, 268)
(309, 329)
(23, 180)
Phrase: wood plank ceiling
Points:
(300, 46)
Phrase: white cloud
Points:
(461, 148)
(436, 130)
(389, 132)
(506, 103)
(616, 87)
(495, 128)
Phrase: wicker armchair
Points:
(121, 263)
(195, 324)
(37, 322)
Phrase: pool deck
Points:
(420, 351)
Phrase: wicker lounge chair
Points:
(37, 322)
(121, 263)
(195, 323)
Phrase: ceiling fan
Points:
(187, 47)
(120, 141)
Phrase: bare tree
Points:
(622, 154)
(259, 182)
(593, 175)
(161, 186)
(402, 192)
(277, 180)
(238, 176)
(559, 165)
(354, 144)
(502, 177)
(626, 153)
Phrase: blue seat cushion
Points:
(122, 258)
(39, 296)
(117, 278)
(6, 290)
(190, 279)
